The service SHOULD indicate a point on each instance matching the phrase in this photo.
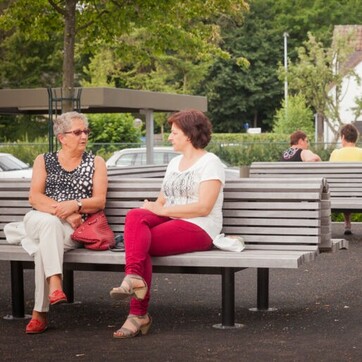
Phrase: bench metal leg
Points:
(68, 284)
(17, 291)
(262, 291)
(228, 300)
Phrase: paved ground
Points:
(319, 317)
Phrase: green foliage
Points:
(98, 72)
(113, 128)
(245, 154)
(295, 116)
(22, 128)
(243, 149)
(246, 94)
(136, 30)
(338, 217)
(169, 46)
(237, 149)
(30, 63)
(230, 138)
(317, 16)
(240, 149)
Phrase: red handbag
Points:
(95, 233)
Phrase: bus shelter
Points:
(45, 101)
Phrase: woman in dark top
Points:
(66, 185)
(298, 150)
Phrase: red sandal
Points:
(35, 326)
(57, 297)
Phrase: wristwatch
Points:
(79, 203)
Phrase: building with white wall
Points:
(350, 87)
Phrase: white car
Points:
(137, 157)
(12, 167)
(161, 156)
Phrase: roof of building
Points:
(356, 56)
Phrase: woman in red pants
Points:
(186, 216)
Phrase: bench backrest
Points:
(344, 178)
(154, 171)
(268, 215)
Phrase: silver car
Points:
(12, 167)
(137, 157)
(161, 156)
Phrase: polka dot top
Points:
(62, 185)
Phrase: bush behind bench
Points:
(237, 149)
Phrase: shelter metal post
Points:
(149, 134)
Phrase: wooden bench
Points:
(344, 179)
(283, 224)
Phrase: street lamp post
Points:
(286, 70)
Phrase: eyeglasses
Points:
(78, 132)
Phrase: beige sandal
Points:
(123, 293)
(124, 332)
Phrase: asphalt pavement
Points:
(318, 317)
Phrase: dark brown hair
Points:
(194, 124)
(350, 133)
(296, 136)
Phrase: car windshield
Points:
(10, 163)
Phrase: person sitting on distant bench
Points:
(348, 153)
(298, 150)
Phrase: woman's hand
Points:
(65, 208)
(74, 220)
(153, 206)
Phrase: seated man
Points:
(348, 153)
(298, 150)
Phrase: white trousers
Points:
(52, 237)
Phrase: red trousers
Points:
(146, 235)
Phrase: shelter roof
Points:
(100, 100)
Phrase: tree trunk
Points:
(320, 127)
(68, 60)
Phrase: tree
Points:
(164, 25)
(29, 63)
(317, 69)
(317, 17)
(178, 72)
(295, 116)
(21, 128)
(113, 128)
(240, 93)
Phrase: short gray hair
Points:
(63, 123)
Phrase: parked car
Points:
(12, 167)
(137, 156)
(161, 156)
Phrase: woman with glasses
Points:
(66, 185)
